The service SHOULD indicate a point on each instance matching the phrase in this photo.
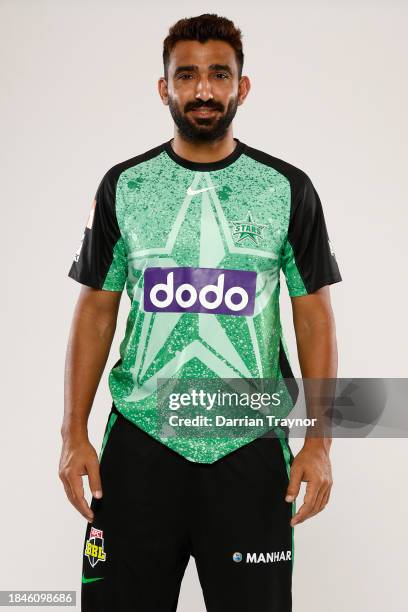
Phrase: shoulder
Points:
(297, 177)
(113, 173)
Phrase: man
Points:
(201, 215)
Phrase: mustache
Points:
(203, 104)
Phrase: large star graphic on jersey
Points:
(162, 347)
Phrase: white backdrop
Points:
(329, 95)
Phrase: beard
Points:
(203, 129)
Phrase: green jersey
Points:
(199, 248)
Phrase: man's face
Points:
(202, 89)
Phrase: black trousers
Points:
(158, 508)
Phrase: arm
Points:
(92, 330)
(317, 350)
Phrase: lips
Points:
(204, 112)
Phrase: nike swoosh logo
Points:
(192, 192)
(86, 580)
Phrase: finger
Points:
(68, 491)
(71, 497)
(294, 483)
(313, 489)
(319, 505)
(94, 479)
(82, 506)
(308, 504)
(79, 500)
(326, 498)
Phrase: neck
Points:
(204, 152)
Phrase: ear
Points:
(162, 88)
(244, 87)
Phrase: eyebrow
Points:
(193, 67)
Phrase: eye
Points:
(221, 75)
(185, 76)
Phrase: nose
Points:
(204, 89)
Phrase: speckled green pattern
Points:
(294, 280)
(161, 225)
(116, 276)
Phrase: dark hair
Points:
(202, 28)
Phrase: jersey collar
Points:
(204, 166)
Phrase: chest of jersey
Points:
(227, 220)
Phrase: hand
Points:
(312, 465)
(78, 458)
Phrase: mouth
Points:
(203, 112)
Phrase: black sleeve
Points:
(308, 259)
(101, 260)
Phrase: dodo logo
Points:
(207, 290)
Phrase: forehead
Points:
(192, 52)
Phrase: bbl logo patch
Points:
(94, 547)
